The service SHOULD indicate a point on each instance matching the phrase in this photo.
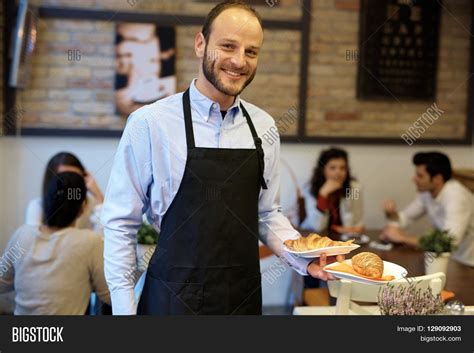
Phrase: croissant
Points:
(313, 241)
(368, 264)
(295, 245)
(343, 267)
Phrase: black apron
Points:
(207, 260)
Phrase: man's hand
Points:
(315, 268)
(393, 234)
(396, 235)
(390, 208)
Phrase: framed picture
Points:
(401, 77)
(398, 50)
(93, 85)
(144, 63)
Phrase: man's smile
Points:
(233, 74)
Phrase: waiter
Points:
(195, 164)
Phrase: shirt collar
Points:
(204, 105)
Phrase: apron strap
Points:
(188, 121)
(258, 145)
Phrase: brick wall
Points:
(80, 94)
(285, 9)
(333, 109)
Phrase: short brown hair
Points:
(221, 7)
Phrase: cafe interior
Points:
(373, 109)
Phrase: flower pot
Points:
(434, 264)
(144, 254)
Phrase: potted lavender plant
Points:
(408, 300)
(437, 246)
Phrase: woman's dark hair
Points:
(59, 159)
(219, 8)
(318, 178)
(63, 199)
(435, 163)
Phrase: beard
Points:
(211, 74)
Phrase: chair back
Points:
(347, 291)
(465, 176)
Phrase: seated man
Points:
(448, 204)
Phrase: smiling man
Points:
(195, 164)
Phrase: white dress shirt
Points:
(452, 210)
(148, 168)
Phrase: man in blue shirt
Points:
(194, 162)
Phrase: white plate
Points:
(389, 269)
(330, 251)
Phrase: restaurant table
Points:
(459, 279)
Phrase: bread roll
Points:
(368, 264)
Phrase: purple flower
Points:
(408, 300)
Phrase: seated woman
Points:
(333, 201)
(54, 267)
(67, 162)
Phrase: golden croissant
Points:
(368, 264)
(313, 241)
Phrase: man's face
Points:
(422, 179)
(231, 53)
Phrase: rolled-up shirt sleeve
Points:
(126, 200)
(274, 227)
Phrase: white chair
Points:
(347, 292)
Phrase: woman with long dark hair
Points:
(67, 162)
(333, 200)
(55, 266)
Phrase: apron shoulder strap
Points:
(188, 121)
(258, 145)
